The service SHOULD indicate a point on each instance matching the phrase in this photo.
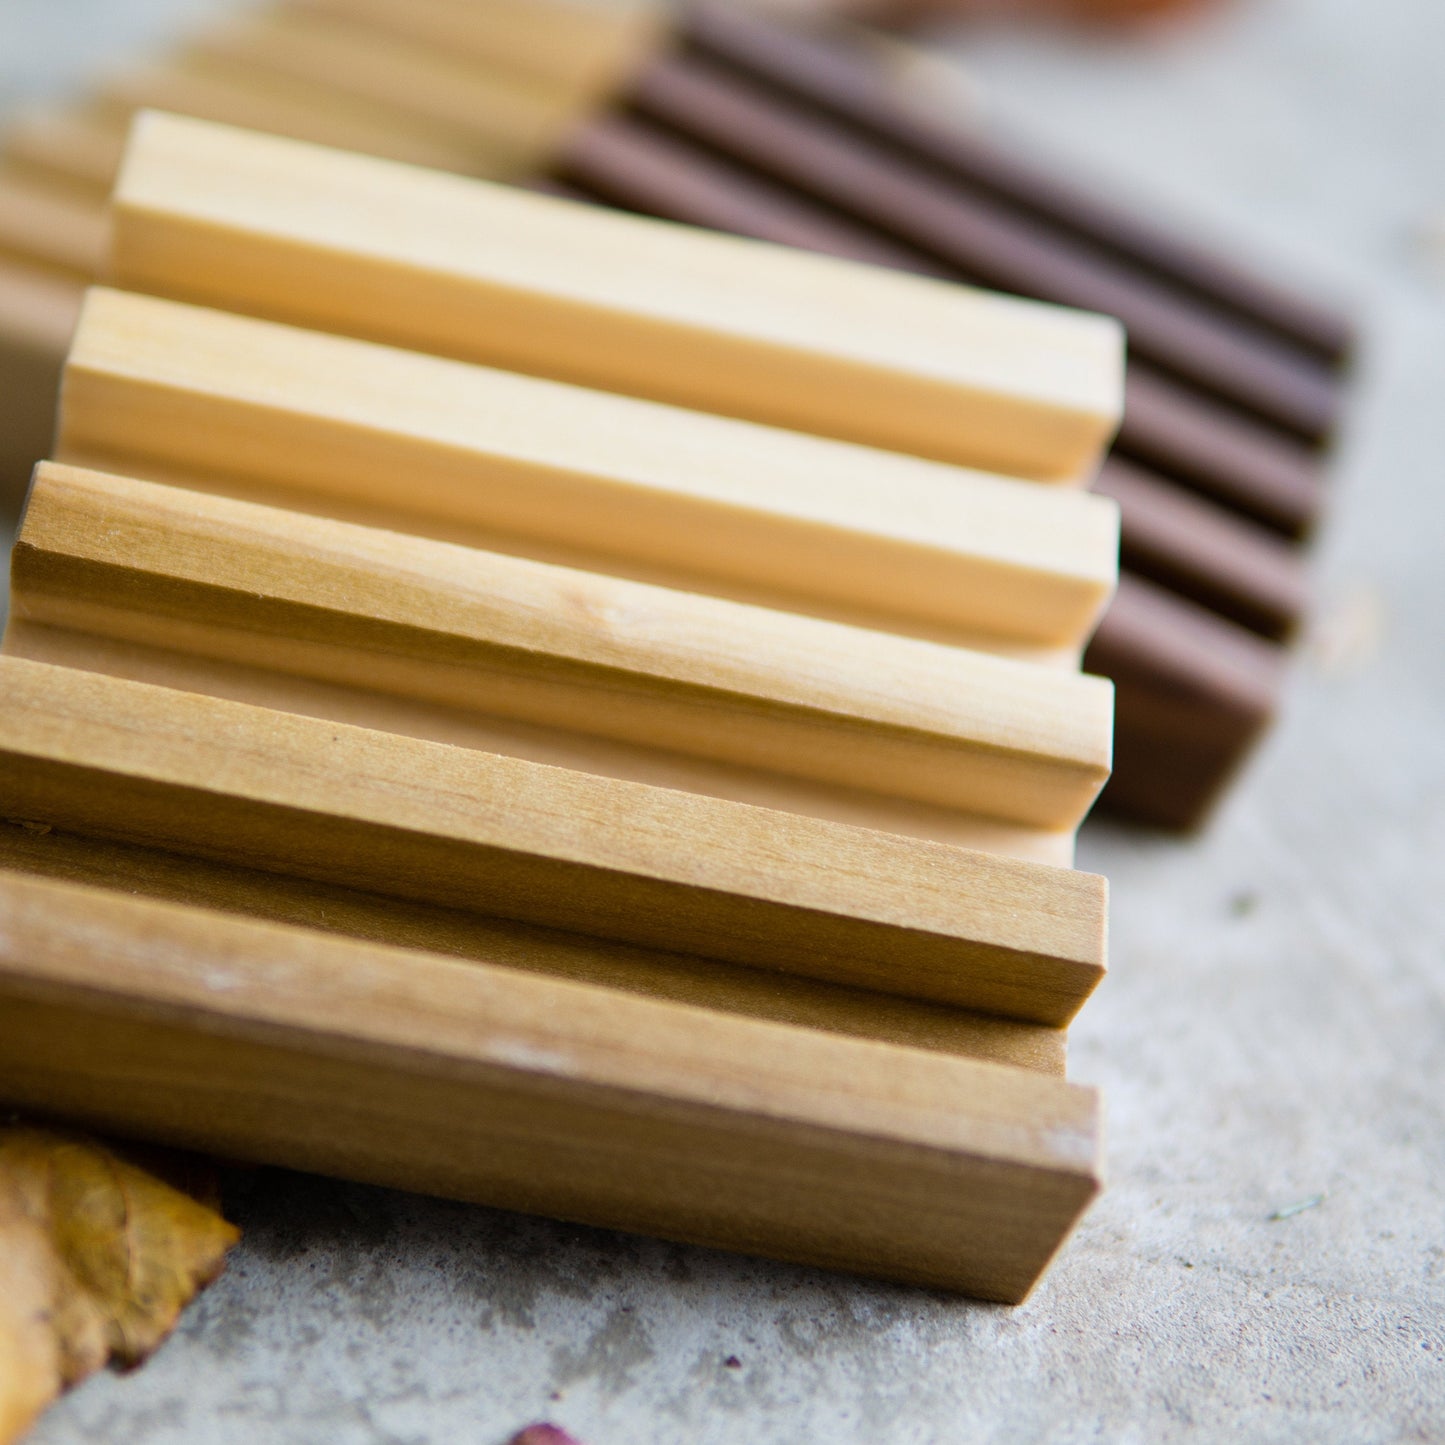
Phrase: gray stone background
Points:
(1273, 1030)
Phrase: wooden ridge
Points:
(624, 160)
(483, 273)
(514, 638)
(612, 483)
(504, 836)
(349, 913)
(484, 1083)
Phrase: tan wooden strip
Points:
(287, 1046)
(51, 227)
(375, 918)
(165, 665)
(509, 637)
(219, 88)
(418, 443)
(587, 48)
(490, 274)
(512, 119)
(570, 850)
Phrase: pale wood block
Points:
(589, 49)
(505, 837)
(38, 311)
(526, 641)
(287, 1046)
(512, 120)
(51, 227)
(419, 443)
(485, 273)
(650, 973)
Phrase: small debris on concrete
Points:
(1290, 1210)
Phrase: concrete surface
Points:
(1274, 1028)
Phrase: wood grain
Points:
(455, 933)
(506, 837)
(509, 637)
(606, 482)
(283, 1045)
(483, 273)
(359, 706)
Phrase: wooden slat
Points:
(522, 640)
(1202, 551)
(587, 48)
(1195, 692)
(515, 121)
(262, 686)
(506, 837)
(612, 483)
(219, 88)
(488, 274)
(455, 933)
(285, 1046)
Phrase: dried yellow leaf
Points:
(97, 1260)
